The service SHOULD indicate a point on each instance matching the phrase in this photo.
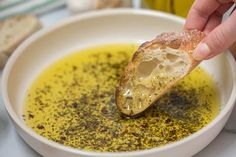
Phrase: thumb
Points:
(217, 40)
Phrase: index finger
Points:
(200, 12)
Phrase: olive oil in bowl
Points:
(72, 103)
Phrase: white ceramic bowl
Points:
(108, 26)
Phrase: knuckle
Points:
(217, 40)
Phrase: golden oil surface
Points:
(72, 103)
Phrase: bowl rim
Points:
(94, 14)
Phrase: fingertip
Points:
(202, 52)
(186, 27)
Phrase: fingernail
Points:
(201, 52)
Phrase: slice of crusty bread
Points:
(155, 67)
(13, 31)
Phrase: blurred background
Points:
(41, 7)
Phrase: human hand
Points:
(206, 16)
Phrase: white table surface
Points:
(11, 145)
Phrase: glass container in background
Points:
(177, 7)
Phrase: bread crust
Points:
(185, 41)
(31, 23)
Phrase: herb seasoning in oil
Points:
(72, 103)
